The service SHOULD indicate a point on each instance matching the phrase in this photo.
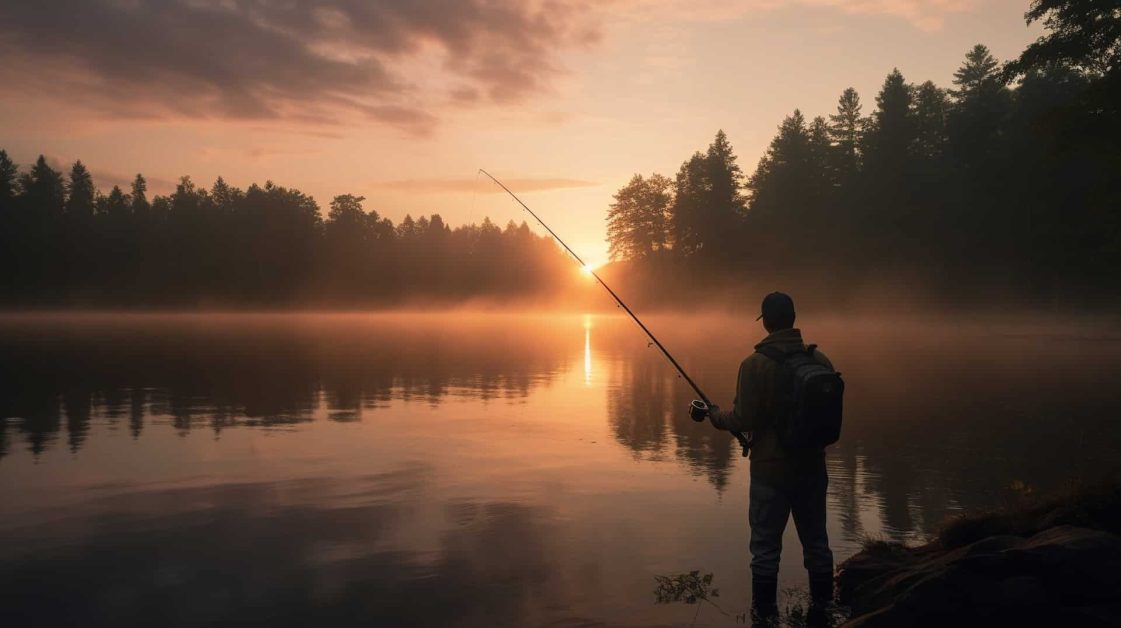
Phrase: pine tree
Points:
(725, 179)
(708, 204)
(781, 183)
(932, 106)
(407, 229)
(43, 189)
(437, 227)
(888, 140)
(688, 206)
(140, 204)
(116, 206)
(188, 202)
(819, 157)
(846, 129)
(977, 75)
(981, 104)
(9, 171)
(80, 202)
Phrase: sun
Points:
(589, 269)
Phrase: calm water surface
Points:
(480, 469)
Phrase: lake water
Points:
(466, 469)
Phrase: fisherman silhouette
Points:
(788, 396)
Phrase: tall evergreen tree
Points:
(981, 104)
(820, 163)
(140, 205)
(116, 206)
(708, 202)
(781, 183)
(932, 105)
(846, 128)
(161, 208)
(689, 192)
(81, 192)
(725, 177)
(43, 189)
(9, 171)
(977, 75)
(188, 201)
(888, 140)
(407, 230)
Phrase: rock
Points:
(1064, 575)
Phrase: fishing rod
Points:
(743, 440)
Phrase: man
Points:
(783, 482)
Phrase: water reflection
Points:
(646, 410)
(940, 419)
(254, 371)
(587, 350)
(282, 554)
(477, 470)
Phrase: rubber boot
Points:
(821, 600)
(764, 601)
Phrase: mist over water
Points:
(478, 469)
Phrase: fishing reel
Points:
(698, 410)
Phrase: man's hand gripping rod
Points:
(744, 442)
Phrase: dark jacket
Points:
(753, 411)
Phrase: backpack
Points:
(808, 399)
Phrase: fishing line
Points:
(744, 442)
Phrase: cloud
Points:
(927, 15)
(318, 61)
(324, 63)
(480, 185)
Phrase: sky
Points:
(402, 102)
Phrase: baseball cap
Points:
(777, 305)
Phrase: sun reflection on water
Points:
(587, 349)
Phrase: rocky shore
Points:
(1053, 564)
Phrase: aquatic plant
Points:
(689, 588)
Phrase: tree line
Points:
(1007, 178)
(63, 242)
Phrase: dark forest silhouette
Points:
(64, 242)
(1008, 178)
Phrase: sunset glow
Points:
(402, 102)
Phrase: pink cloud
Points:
(320, 62)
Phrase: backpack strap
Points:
(774, 353)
